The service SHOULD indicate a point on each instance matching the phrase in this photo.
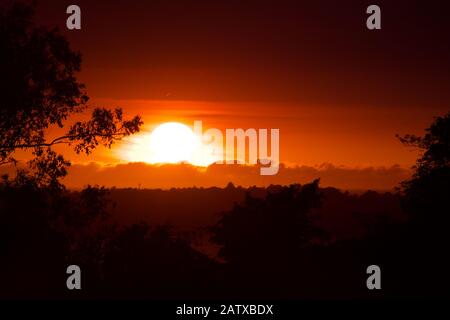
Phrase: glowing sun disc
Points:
(172, 142)
(169, 142)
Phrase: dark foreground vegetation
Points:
(292, 242)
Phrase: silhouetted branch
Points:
(67, 139)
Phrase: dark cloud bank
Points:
(141, 175)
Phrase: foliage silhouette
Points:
(41, 230)
(426, 195)
(262, 229)
(40, 90)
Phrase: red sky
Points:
(338, 92)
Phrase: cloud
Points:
(185, 175)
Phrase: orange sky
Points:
(309, 135)
(347, 147)
(337, 92)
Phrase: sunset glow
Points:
(170, 142)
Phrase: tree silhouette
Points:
(435, 146)
(49, 231)
(427, 194)
(267, 230)
(39, 90)
(426, 202)
(144, 261)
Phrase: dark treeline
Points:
(280, 242)
(197, 207)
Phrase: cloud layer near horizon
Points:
(184, 175)
(142, 175)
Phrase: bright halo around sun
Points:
(170, 142)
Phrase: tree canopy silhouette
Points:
(269, 229)
(435, 146)
(40, 89)
(426, 195)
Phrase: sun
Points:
(169, 142)
(172, 142)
